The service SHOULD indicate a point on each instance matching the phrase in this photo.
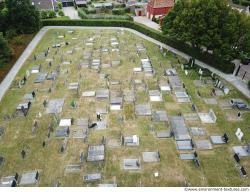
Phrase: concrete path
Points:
(145, 21)
(71, 12)
(241, 86)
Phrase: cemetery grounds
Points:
(217, 165)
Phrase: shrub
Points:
(90, 10)
(210, 59)
(59, 5)
(44, 14)
(118, 11)
(52, 14)
(10, 33)
(236, 1)
(18, 40)
(61, 13)
(245, 2)
(119, 5)
(127, 10)
(248, 84)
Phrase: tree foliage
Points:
(5, 50)
(22, 16)
(210, 25)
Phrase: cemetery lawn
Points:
(217, 165)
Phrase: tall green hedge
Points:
(226, 67)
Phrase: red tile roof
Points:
(161, 3)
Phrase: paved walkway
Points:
(241, 86)
(71, 12)
(145, 21)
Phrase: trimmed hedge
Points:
(84, 15)
(226, 67)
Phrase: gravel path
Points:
(240, 85)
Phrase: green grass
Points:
(217, 165)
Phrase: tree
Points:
(22, 16)
(5, 50)
(210, 25)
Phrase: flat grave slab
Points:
(155, 95)
(132, 140)
(191, 117)
(203, 145)
(143, 110)
(96, 153)
(163, 134)
(219, 92)
(29, 178)
(215, 139)
(73, 86)
(101, 125)
(55, 106)
(92, 177)
(62, 132)
(102, 94)
(175, 82)
(131, 164)
(35, 69)
(209, 117)
(40, 77)
(9, 181)
(187, 156)
(225, 104)
(164, 86)
(107, 185)
(160, 116)
(65, 122)
(179, 128)
(72, 168)
(88, 94)
(103, 110)
(28, 97)
(232, 115)
(196, 131)
(184, 145)
(129, 96)
(242, 151)
(210, 101)
(151, 157)
(113, 142)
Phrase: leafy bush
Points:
(5, 52)
(59, 4)
(127, 10)
(18, 40)
(117, 11)
(205, 57)
(44, 14)
(61, 13)
(119, 5)
(236, 1)
(245, 2)
(52, 14)
(90, 11)
(10, 33)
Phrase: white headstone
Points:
(239, 134)
(226, 90)
(27, 74)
